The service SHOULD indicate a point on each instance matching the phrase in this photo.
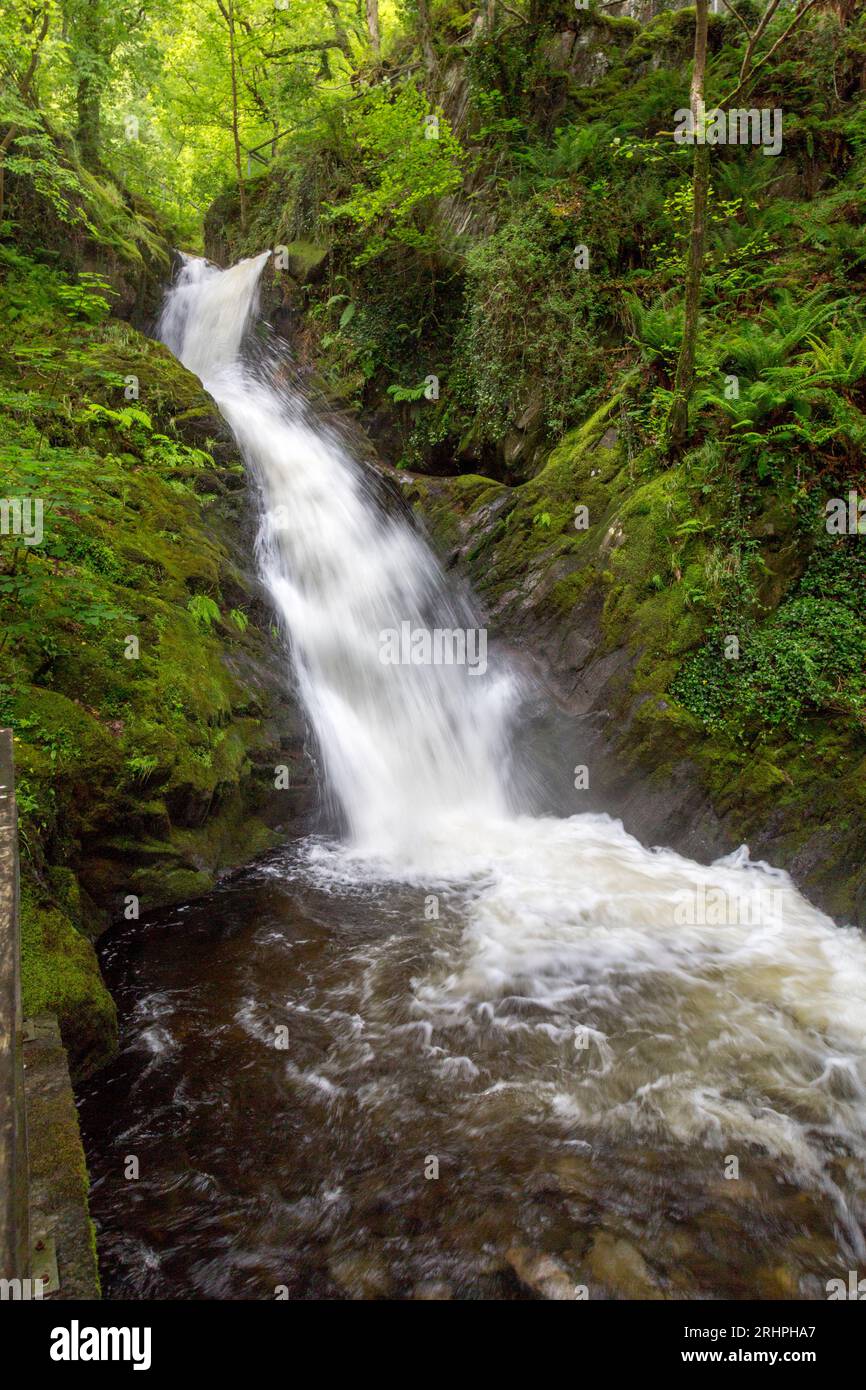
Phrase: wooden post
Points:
(14, 1180)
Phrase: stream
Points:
(461, 1048)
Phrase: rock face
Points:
(583, 610)
(542, 1274)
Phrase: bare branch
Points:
(738, 17)
(750, 76)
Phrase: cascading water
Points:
(401, 744)
(621, 1010)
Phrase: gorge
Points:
(565, 1035)
(433, 652)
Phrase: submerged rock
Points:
(543, 1274)
(621, 1267)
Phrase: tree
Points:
(92, 56)
(685, 375)
(34, 24)
(373, 28)
(227, 10)
(104, 37)
(749, 68)
(425, 36)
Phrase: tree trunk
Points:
(373, 28)
(92, 59)
(425, 37)
(89, 111)
(227, 11)
(25, 81)
(678, 419)
(340, 34)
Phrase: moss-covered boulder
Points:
(60, 975)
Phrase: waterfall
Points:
(401, 743)
(713, 1004)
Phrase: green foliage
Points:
(573, 149)
(142, 765)
(204, 611)
(129, 420)
(808, 658)
(407, 393)
(404, 171)
(528, 342)
(86, 298)
(658, 330)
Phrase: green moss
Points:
(160, 744)
(305, 258)
(60, 975)
(567, 593)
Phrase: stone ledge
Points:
(59, 1185)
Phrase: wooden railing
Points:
(14, 1181)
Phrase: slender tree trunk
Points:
(227, 11)
(93, 60)
(678, 419)
(425, 37)
(373, 28)
(491, 16)
(340, 33)
(89, 112)
(684, 382)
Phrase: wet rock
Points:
(777, 1281)
(576, 651)
(577, 1175)
(361, 1276)
(433, 1291)
(543, 1274)
(542, 1184)
(621, 1267)
(306, 260)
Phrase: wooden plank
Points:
(14, 1182)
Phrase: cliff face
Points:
(537, 464)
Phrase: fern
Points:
(204, 611)
(658, 330)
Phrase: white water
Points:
(402, 745)
(743, 1036)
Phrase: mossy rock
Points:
(306, 259)
(60, 975)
